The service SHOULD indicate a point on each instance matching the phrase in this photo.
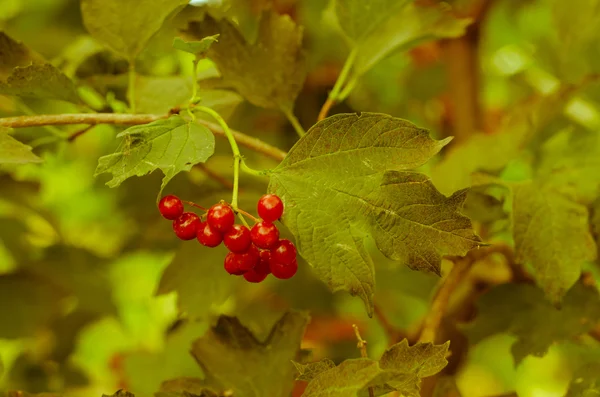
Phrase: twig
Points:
(294, 122)
(392, 333)
(362, 345)
(77, 134)
(440, 301)
(326, 108)
(134, 119)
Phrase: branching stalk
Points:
(334, 95)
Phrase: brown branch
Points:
(134, 119)
(325, 109)
(362, 345)
(394, 335)
(77, 134)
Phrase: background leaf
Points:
(234, 359)
(26, 74)
(172, 145)
(13, 151)
(522, 311)
(198, 48)
(268, 73)
(339, 192)
(126, 26)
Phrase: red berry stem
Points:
(194, 205)
(255, 219)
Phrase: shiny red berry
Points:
(170, 207)
(254, 276)
(283, 252)
(263, 265)
(221, 217)
(283, 271)
(241, 263)
(208, 236)
(238, 239)
(186, 226)
(264, 235)
(270, 207)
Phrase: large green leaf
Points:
(268, 73)
(13, 151)
(349, 180)
(401, 369)
(26, 74)
(172, 145)
(126, 26)
(551, 234)
(234, 359)
(521, 310)
(378, 28)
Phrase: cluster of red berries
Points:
(254, 253)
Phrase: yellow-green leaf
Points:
(13, 151)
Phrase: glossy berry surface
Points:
(238, 239)
(284, 252)
(264, 235)
(240, 263)
(263, 265)
(221, 217)
(170, 207)
(283, 271)
(254, 276)
(186, 226)
(270, 207)
(208, 236)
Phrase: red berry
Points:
(208, 236)
(254, 276)
(284, 252)
(240, 263)
(186, 226)
(221, 217)
(270, 207)
(238, 239)
(284, 271)
(264, 234)
(263, 265)
(170, 207)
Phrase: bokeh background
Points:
(96, 293)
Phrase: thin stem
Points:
(362, 345)
(241, 211)
(294, 121)
(243, 219)
(347, 89)
(134, 119)
(334, 94)
(77, 134)
(195, 205)
(244, 167)
(194, 90)
(131, 86)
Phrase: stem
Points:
(243, 219)
(131, 86)
(334, 94)
(294, 121)
(432, 322)
(362, 345)
(244, 167)
(195, 205)
(236, 181)
(194, 90)
(241, 211)
(134, 119)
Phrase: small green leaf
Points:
(308, 372)
(198, 48)
(172, 145)
(339, 192)
(522, 311)
(401, 369)
(24, 73)
(126, 26)
(380, 27)
(13, 151)
(552, 234)
(268, 73)
(234, 359)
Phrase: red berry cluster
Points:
(253, 253)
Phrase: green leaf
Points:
(172, 145)
(551, 234)
(586, 382)
(522, 311)
(268, 73)
(308, 372)
(174, 91)
(13, 151)
(401, 369)
(347, 180)
(126, 26)
(193, 264)
(27, 304)
(378, 28)
(198, 48)
(234, 359)
(24, 73)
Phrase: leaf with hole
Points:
(350, 179)
(172, 145)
